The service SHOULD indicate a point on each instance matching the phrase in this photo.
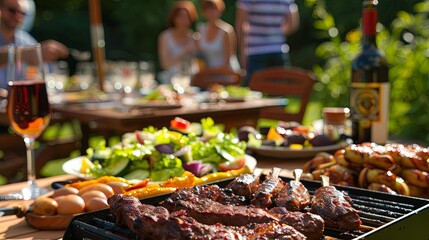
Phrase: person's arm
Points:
(241, 26)
(230, 45)
(165, 60)
(53, 50)
(292, 22)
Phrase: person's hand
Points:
(53, 50)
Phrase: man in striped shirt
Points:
(262, 27)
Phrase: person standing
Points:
(262, 27)
(217, 43)
(176, 45)
(12, 16)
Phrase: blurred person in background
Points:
(262, 27)
(177, 46)
(13, 13)
(217, 43)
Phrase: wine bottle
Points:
(370, 88)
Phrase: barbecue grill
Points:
(384, 216)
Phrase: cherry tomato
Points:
(180, 123)
(232, 165)
(139, 137)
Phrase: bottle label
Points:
(364, 101)
(369, 104)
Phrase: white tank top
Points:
(213, 51)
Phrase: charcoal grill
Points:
(384, 216)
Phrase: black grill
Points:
(384, 216)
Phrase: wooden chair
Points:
(223, 76)
(284, 81)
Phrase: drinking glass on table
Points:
(57, 76)
(28, 107)
(85, 72)
(122, 77)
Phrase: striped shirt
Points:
(265, 18)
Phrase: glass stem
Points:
(31, 161)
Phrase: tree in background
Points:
(405, 43)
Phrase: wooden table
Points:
(12, 227)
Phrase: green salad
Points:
(167, 152)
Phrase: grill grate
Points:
(383, 216)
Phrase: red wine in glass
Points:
(28, 108)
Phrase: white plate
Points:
(288, 153)
(73, 167)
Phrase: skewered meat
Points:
(152, 222)
(208, 211)
(294, 196)
(245, 185)
(335, 208)
(308, 224)
(311, 225)
(268, 189)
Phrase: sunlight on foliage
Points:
(406, 46)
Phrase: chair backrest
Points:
(284, 81)
(223, 76)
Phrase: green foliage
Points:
(406, 46)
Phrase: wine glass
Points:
(123, 78)
(28, 106)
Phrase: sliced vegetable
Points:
(165, 148)
(117, 166)
(198, 168)
(179, 123)
(138, 174)
(186, 180)
(141, 184)
(232, 165)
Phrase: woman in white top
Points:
(176, 45)
(217, 44)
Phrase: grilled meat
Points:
(152, 222)
(335, 208)
(221, 195)
(267, 190)
(294, 196)
(208, 211)
(184, 227)
(127, 209)
(381, 188)
(244, 185)
(311, 225)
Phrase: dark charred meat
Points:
(311, 225)
(215, 193)
(335, 208)
(294, 196)
(267, 190)
(156, 223)
(183, 227)
(244, 185)
(208, 211)
(127, 209)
